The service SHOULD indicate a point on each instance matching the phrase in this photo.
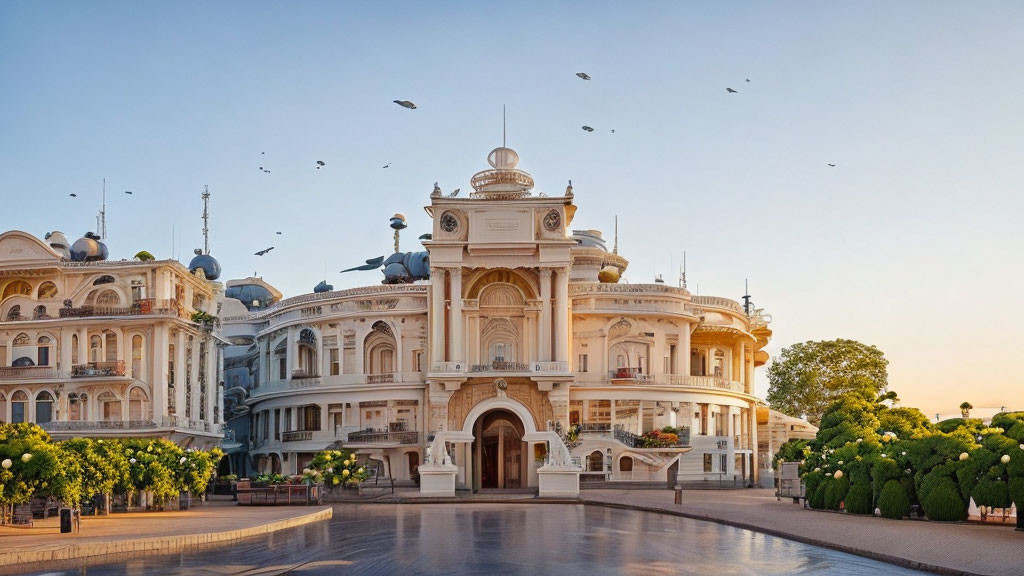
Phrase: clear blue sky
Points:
(912, 242)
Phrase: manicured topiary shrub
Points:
(835, 492)
(1016, 492)
(943, 503)
(859, 499)
(884, 470)
(816, 497)
(893, 502)
(989, 492)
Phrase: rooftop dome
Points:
(209, 264)
(59, 243)
(254, 296)
(323, 286)
(589, 238)
(504, 180)
(89, 249)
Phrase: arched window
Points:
(595, 461)
(111, 355)
(3, 407)
(14, 313)
(46, 290)
(17, 288)
(110, 406)
(137, 356)
(380, 350)
(138, 405)
(78, 406)
(108, 298)
(19, 407)
(104, 280)
(74, 349)
(95, 348)
(44, 407)
(43, 351)
(307, 353)
(626, 464)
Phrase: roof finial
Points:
(503, 127)
(746, 297)
(682, 273)
(101, 220)
(615, 247)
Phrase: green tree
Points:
(811, 375)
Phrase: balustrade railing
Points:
(34, 372)
(296, 435)
(98, 369)
(643, 441)
(380, 378)
(374, 437)
(163, 422)
(143, 307)
(501, 367)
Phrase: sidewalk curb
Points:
(19, 561)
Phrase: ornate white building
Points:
(91, 347)
(520, 330)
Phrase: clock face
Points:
(552, 220)
(449, 223)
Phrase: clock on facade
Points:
(449, 223)
(552, 220)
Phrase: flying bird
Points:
(588, 128)
(405, 104)
(832, 165)
(731, 91)
(583, 75)
(613, 130)
(262, 152)
(386, 165)
(264, 251)
(127, 191)
(748, 79)
(73, 195)
(278, 233)
(262, 169)
(455, 193)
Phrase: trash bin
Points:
(65, 520)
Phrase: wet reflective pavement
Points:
(471, 539)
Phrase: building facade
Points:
(91, 347)
(520, 327)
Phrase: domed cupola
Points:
(59, 243)
(209, 265)
(89, 248)
(503, 180)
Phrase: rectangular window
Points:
(335, 362)
(277, 423)
(417, 361)
(282, 368)
(582, 363)
(43, 357)
(707, 463)
(667, 369)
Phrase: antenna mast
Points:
(206, 220)
(101, 220)
(503, 126)
(682, 273)
(746, 297)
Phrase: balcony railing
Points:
(561, 367)
(163, 422)
(380, 378)
(498, 366)
(33, 372)
(595, 427)
(98, 369)
(144, 307)
(628, 374)
(296, 435)
(373, 437)
(639, 441)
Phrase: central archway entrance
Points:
(499, 452)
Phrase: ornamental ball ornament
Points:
(26, 457)
(963, 456)
(1005, 459)
(6, 463)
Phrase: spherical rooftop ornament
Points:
(503, 158)
(323, 286)
(209, 264)
(89, 249)
(398, 222)
(608, 275)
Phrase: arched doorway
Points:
(500, 454)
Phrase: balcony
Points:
(28, 372)
(634, 376)
(127, 425)
(501, 367)
(98, 369)
(296, 436)
(144, 307)
(374, 437)
(648, 442)
(534, 368)
(380, 378)
(631, 374)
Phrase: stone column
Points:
(195, 380)
(436, 315)
(179, 374)
(544, 334)
(290, 350)
(562, 315)
(157, 373)
(455, 322)
(754, 472)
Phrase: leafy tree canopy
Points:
(811, 375)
